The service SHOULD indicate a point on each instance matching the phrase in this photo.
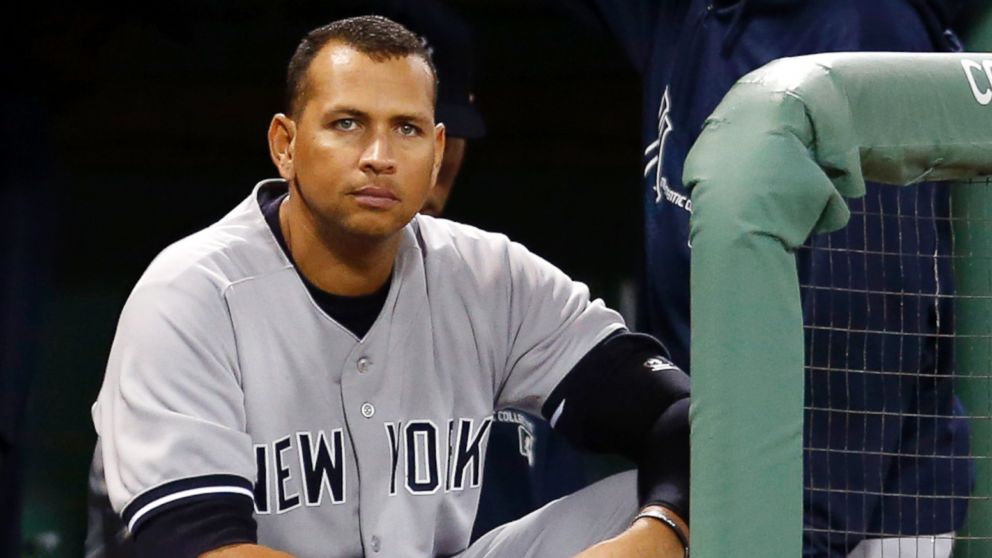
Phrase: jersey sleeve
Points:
(552, 324)
(170, 414)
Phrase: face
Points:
(363, 152)
(454, 154)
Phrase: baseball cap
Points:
(455, 98)
(449, 41)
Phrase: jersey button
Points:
(363, 365)
(368, 410)
(376, 545)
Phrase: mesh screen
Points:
(898, 424)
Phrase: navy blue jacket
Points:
(867, 421)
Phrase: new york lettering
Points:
(309, 468)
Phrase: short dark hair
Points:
(378, 37)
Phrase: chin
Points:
(377, 226)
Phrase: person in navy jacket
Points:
(887, 453)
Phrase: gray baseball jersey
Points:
(225, 377)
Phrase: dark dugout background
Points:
(128, 128)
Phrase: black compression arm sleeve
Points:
(663, 472)
(624, 397)
(193, 528)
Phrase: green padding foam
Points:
(973, 351)
(769, 169)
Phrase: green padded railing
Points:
(771, 168)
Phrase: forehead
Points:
(341, 75)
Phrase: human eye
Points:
(345, 124)
(409, 130)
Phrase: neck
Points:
(335, 260)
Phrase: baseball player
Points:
(315, 373)
(887, 460)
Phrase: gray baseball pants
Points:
(565, 526)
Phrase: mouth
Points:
(375, 197)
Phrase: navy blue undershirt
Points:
(357, 313)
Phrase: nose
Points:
(378, 156)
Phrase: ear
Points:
(282, 143)
(439, 140)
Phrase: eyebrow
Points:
(358, 113)
(414, 117)
(349, 111)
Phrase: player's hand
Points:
(245, 551)
(646, 538)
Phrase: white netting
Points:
(898, 313)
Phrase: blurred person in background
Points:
(915, 469)
(450, 44)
